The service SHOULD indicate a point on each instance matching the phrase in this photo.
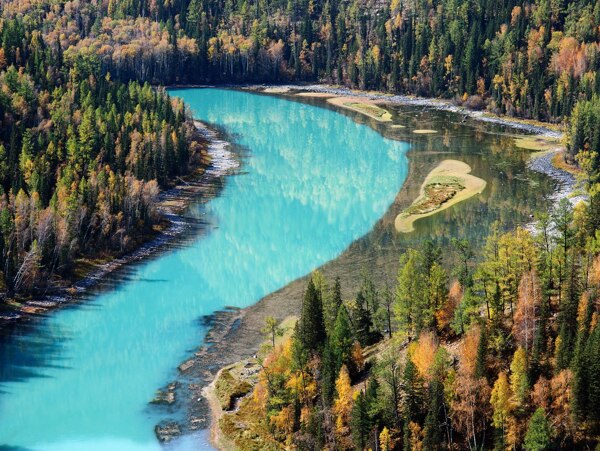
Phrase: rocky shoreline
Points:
(172, 203)
(566, 181)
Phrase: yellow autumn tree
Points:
(501, 402)
(342, 406)
(422, 353)
(385, 440)
(519, 383)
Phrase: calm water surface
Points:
(313, 181)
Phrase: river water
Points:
(311, 182)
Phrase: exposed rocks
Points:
(165, 396)
(229, 389)
(167, 431)
(567, 183)
(186, 365)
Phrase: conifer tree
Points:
(539, 435)
(519, 382)
(311, 327)
(342, 339)
(360, 422)
(331, 304)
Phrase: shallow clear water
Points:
(313, 181)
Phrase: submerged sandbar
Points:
(447, 184)
(362, 105)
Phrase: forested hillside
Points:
(499, 352)
(534, 59)
(82, 153)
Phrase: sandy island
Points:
(362, 105)
(447, 184)
(538, 143)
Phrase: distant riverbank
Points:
(525, 125)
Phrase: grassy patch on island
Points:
(447, 184)
(438, 190)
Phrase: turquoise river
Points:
(311, 182)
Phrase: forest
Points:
(83, 133)
(500, 352)
(82, 154)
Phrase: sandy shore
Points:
(457, 170)
(362, 105)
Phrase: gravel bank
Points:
(438, 104)
(566, 182)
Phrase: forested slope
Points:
(496, 352)
(82, 153)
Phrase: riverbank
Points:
(446, 185)
(381, 98)
(567, 185)
(199, 185)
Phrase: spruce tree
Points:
(342, 339)
(311, 327)
(331, 305)
(360, 423)
(434, 419)
(363, 323)
(480, 366)
(413, 392)
(538, 436)
(329, 372)
(592, 368)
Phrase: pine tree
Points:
(363, 323)
(410, 307)
(329, 372)
(342, 339)
(311, 327)
(331, 305)
(435, 416)
(413, 393)
(360, 424)
(480, 362)
(539, 434)
(592, 365)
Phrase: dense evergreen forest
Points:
(499, 352)
(82, 154)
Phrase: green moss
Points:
(228, 388)
(371, 110)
